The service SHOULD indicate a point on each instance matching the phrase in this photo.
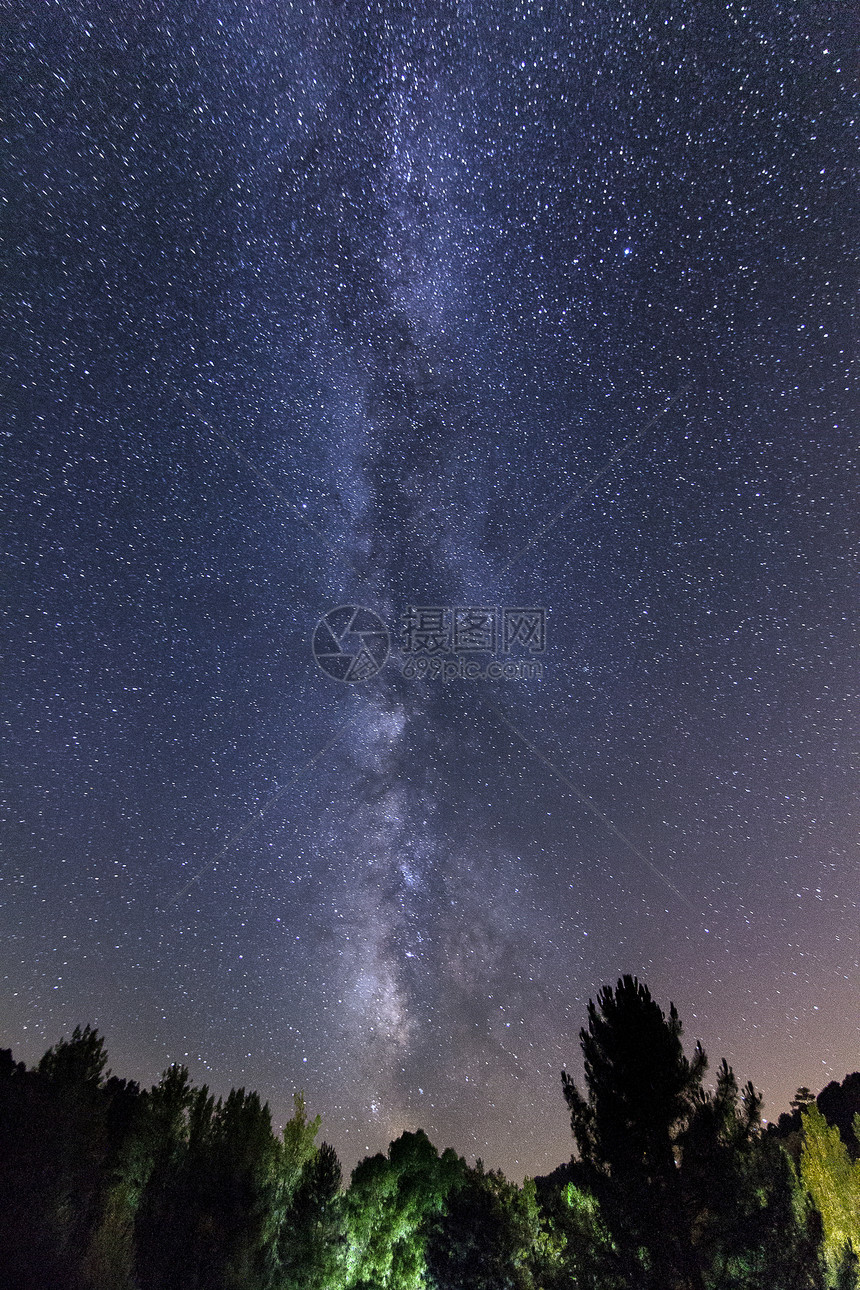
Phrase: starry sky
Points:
(436, 304)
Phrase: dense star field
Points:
(407, 306)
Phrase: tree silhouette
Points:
(490, 1235)
(750, 1222)
(104, 1186)
(60, 1131)
(641, 1093)
(311, 1242)
(693, 1196)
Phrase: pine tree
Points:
(641, 1092)
(691, 1194)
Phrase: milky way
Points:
(431, 305)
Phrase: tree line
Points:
(672, 1184)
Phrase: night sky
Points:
(405, 306)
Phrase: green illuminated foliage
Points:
(833, 1181)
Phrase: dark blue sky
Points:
(445, 305)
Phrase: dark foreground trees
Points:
(107, 1187)
(673, 1186)
(694, 1197)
